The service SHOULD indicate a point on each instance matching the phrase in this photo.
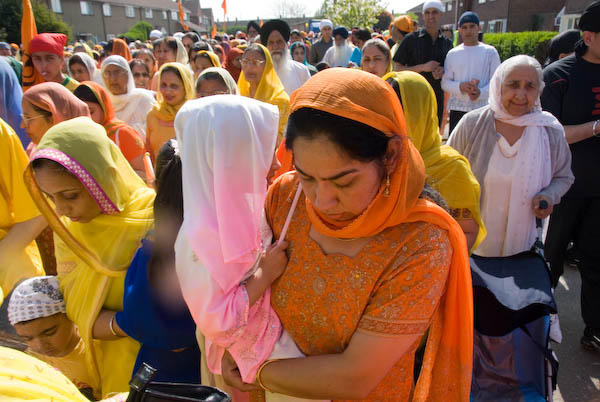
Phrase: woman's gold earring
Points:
(386, 190)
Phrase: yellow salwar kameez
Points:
(93, 257)
(16, 206)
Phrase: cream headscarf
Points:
(225, 76)
(133, 106)
(90, 65)
(534, 163)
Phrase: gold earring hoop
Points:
(386, 190)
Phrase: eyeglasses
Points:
(252, 62)
(116, 73)
(210, 93)
(26, 119)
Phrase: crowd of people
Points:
(275, 213)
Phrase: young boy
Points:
(47, 54)
(37, 311)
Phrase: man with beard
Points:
(320, 47)
(274, 35)
(425, 50)
(339, 55)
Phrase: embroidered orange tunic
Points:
(391, 287)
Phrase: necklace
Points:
(509, 156)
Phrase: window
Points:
(110, 36)
(497, 26)
(165, 15)
(481, 1)
(106, 10)
(449, 6)
(174, 15)
(56, 7)
(86, 8)
(148, 12)
(129, 11)
(186, 16)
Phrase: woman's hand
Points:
(102, 328)
(274, 261)
(231, 375)
(537, 211)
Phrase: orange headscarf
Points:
(111, 124)
(120, 48)
(56, 99)
(363, 97)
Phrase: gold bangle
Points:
(259, 372)
(110, 325)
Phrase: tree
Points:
(288, 8)
(353, 13)
(384, 19)
(11, 13)
(140, 31)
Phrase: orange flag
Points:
(28, 31)
(213, 33)
(181, 16)
(224, 6)
(261, 23)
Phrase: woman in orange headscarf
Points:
(373, 263)
(120, 48)
(102, 111)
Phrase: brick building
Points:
(103, 20)
(504, 15)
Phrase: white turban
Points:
(35, 297)
(326, 23)
(437, 4)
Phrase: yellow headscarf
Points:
(165, 111)
(25, 378)
(270, 90)
(16, 206)
(447, 171)
(93, 257)
(214, 59)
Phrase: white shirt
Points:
(338, 56)
(465, 63)
(292, 75)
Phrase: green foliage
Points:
(513, 43)
(11, 14)
(353, 13)
(231, 29)
(140, 31)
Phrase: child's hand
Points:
(274, 260)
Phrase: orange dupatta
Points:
(366, 98)
(120, 48)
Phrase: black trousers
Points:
(455, 116)
(578, 219)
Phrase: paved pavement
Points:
(579, 371)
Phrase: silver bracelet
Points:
(110, 325)
(594, 133)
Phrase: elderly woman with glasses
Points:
(259, 80)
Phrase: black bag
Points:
(143, 389)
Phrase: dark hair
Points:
(201, 45)
(137, 53)
(75, 59)
(358, 140)
(363, 34)
(209, 76)
(43, 163)
(170, 41)
(322, 65)
(396, 87)
(171, 69)
(203, 55)
(168, 212)
(86, 94)
(192, 35)
(255, 48)
(108, 46)
(254, 25)
(138, 62)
